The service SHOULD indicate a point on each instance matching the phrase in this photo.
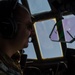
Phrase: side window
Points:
(69, 30)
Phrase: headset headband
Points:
(7, 6)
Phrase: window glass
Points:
(69, 25)
(38, 6)
(30, 52)
(48, 48)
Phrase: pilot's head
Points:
(15, 28)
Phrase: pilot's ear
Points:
(8, 28)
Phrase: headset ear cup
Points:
(8, 28)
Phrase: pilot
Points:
(15, 29)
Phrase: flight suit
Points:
(8, 66)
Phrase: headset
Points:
(8, 26)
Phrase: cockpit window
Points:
(69, 29)
(38, 6)
(30, 52)
(68, 24)
(48, 48)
